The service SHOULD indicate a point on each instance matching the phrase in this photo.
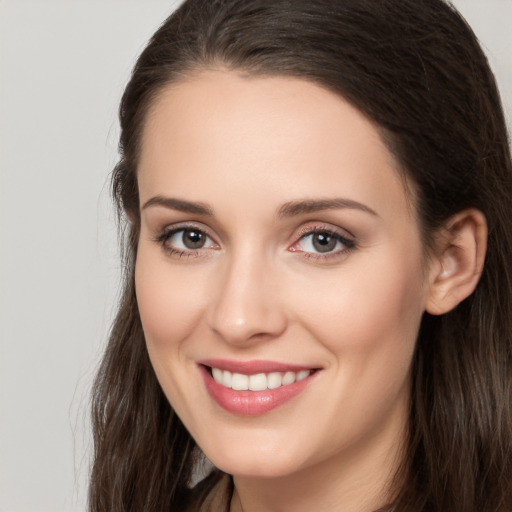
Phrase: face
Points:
(280, 274)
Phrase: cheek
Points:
(170, 308)
(170, 302)
(370, 315)
(368, 323)
(388, 307)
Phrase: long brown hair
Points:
(415, 68)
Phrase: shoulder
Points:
(212, 494)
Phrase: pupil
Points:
(193, 239)
(323, 242)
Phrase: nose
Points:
(246, 305)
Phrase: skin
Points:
(258, 290)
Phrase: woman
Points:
(317, 268)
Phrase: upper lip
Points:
(253, 367)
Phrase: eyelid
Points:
(315, 227)
(341, 235)
(166, 233)
(182, 226)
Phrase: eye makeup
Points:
(318, 242)
(323, 244)
(185, 241)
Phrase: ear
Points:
(456, 261)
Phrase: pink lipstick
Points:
(251, 388)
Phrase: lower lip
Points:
(252, 403)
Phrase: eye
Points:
(323, 243)
(320, 242)
(185, 241)
(188, 239)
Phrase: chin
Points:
(253, 469)
(255, 465)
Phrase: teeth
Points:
(240, 382)
(259, 381)
(217, 374)
(274, 380)
(302, 375)
(226, 379)
(288, 378)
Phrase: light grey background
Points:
(63, 65)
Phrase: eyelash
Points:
(348, 243)
(164, 237)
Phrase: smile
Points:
(254, 388)
(258, 381)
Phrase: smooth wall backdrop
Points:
(63, 65)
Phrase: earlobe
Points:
(458, 261)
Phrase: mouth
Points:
(254, 388)
(257, 381)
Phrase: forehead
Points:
(219, 133)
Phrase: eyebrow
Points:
(293, 208)
(179, 205)
(289, 209)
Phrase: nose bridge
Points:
(246, 305)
